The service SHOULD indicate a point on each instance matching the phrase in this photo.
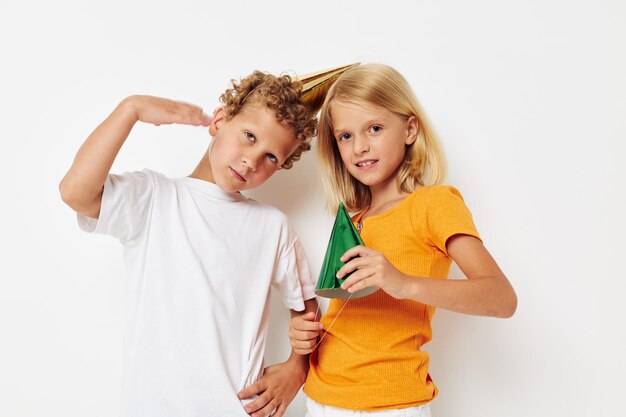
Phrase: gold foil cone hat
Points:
(316, 85)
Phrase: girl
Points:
(381, 157)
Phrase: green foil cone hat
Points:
(343, 237)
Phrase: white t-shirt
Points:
(200, 263)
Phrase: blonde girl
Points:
(380, 156)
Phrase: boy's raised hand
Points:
(162, 111)
(82, 186)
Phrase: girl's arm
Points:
(82, 186)
(486, 292)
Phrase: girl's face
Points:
(371, 140)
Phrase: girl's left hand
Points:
(371, 268)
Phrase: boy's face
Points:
(248, 148)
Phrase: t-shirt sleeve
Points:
(125, 207)
(447, 215)
(292, 278)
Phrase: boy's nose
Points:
(249, 161)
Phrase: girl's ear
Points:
(218, 118)
(412, 128)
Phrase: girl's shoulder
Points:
(430, 202)
(434, 193)
(419, 203)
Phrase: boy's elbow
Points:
(65, 191)
(76, 201)
(68, 193)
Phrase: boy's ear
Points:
(218, 118)
(412, 130)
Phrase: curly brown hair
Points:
(280, 94)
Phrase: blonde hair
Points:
(380, 85)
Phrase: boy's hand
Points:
(276, 389)
(162, 111)
(371, 268)
(304, 332)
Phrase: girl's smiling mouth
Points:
(366, 164)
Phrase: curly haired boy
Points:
(201, 257)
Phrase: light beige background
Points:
(528, 97)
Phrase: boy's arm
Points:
(83, 184)
(281, 382)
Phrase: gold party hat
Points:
(316, 84)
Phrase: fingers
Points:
(280, 410)
(206, 119)
(357, 257)
(262, 406)
(303, 347)
(353, 265)
(192, 115)
(267, 410)
(303, 343)
(364, 283)
(254, 389)
(356, 251)
(159, 111)
(310, 316)
(305, 322)
(355, 281)
(303, 333)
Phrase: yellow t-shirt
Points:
(371, 358)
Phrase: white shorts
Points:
(315, 409)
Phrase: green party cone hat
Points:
(343, 237)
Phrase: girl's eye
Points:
(376, 129)
(272, 158)
(250, 137)
(343, 137)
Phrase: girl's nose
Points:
(360, 145)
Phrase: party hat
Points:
(343, 237)
(316, 84)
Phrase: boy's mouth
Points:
(237, 175)
(366, 164)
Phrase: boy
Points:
(200, 256)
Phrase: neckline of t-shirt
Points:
(359, 217)
(211, 189)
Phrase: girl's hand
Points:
(372, 269)
(161, 111)
(303, 333)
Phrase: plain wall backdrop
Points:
(527, 96)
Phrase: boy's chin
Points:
(229, 187)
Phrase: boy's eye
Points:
(272, 158)
(376, 128)
(250, 137)
(343, 137)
